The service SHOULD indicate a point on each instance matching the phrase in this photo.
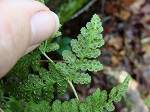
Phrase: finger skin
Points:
(15, 30)
(29, 49)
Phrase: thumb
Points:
(43, 25)
(23, 25)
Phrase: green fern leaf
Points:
(58, 33)
(63, 68)
(1, 89)
(103, 97)
(35, 87)
(89, 103)
(91, 65)
(122, 89)
(13, 105)
(48, 46)
(96, 98)
(82, 49)
(56, 107)
(110, 106)
(62, 88)
(76, 48)
(43, 106)
(82, 78)
(54, 73)
(113, 93)
(97, 102)
(74, 105)
(82, 108)
(147, 102)
(46, 76)
(59, 77)
(24, 63)
(116, 95)
(66, 106)
(93, 53)
(52, 47)
(68, 56)
(124, 85)
(36, 63)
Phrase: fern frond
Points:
(147, 102)
(69, 57)
(35, 87)
(43, 106)
(56, 107)
(1, 89)
(62, 87)
(83, 49)
(97, 102)
(40, 86)
(116, 95)
(63, 69)
(79, 59)
(91, 65)
(52, 47)
(82, 78)
(89, 40)
(48, 46)
(14, 105)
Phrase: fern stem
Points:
(47, 57)
(70, 83)
(75, 93)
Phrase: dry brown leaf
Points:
(116, 41)
(123, 14)
(110, 9)
(136, 6)
(145, 19)
(126, 3)
(122, 53)
(116, 60)
(146, 48)
(146, 9)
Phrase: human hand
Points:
(23, 26)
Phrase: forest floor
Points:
(127, 45)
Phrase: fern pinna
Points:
(30, 87)
(97, 102)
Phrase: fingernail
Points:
(57, 21)
(43, 24)
(31, 48)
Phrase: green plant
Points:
(30, 87)
(147, 102)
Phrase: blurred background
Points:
(126, 51)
